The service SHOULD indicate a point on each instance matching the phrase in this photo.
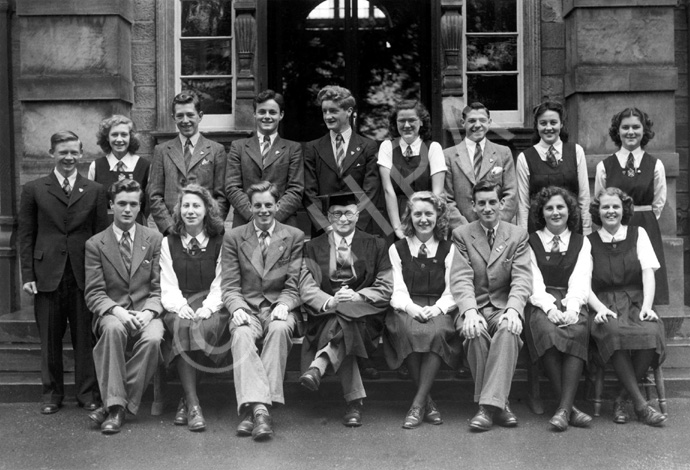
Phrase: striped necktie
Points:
(67, 188)
(339, 151)
(491, 236)
(551, 157)
(422, 254)
(262, 244)
(265, 147)
(477, 162)
(188, 153)
(630, 166)
(126, 250)
(555, 244)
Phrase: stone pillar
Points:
(453, 100)
(619, 54)
(245, 46)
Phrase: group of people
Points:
(410, 245)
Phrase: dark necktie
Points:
(262, 244)
(126, 250)
(630, 166)
(422, 254)
(120, 167)
(343, 254)
(477, 162)
(551, 157)
(408, 152)
(188, 153)
(66, 187)
(265, 146)
(555, 244)
(194, 248)
(491, 236)
(339, 151)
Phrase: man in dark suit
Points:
(266, 157)
(58, 213)
(345, 286)
(123, 291)
(491, 281)
(340, 161)
(188, 158)
(477, 159)
(261, 266)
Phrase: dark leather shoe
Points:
(370, 373)
(431, 413)
(99, 415)
(195, 419)
(413, 418)
(403, 372)
(620, 413)
(90, 405)
(246, 426)
(181, 414)
(483, 420)
(114, 422)
(579, 419)
(353, 414)
(559, 421)
(311, 379)
(649, 416)
(50, 408)
(506, 418)
(262, 426)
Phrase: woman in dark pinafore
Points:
(191, 295)
(642, 177)
(557, 320)
(626, 330)
(420, 327)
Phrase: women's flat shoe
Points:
(413, 418)
(181, 414)
(620, 413)
(431, 413)
(195, 419)
(579, 419)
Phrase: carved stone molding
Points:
(451, 43)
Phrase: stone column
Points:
(245, 46)
(620, 53)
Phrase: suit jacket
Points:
(371, 265)
(497, 165)
(53, 227)
(321, 176)
(284, 168)
(481, 276)
(109, 284)
(248, 280)
(169, 174)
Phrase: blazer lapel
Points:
(175, 152)
(78, 190)
(111, 250)
(499, 243)
(488, 160)
(275, 152)
(481, 242)
(250, 248)
(276, 248)
(352, 152)
(201, 150)
(139, 248)
(254, 151)
(55, 188)
(322, 252)
(463, 160)
(326, 152)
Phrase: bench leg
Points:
(534, 400)
(598, 390)
(158, 391)
(660, 389)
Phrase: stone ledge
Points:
(123, 8)
(80, 88)
(596, 79)
(570, 5)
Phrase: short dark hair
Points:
(549, 106)
(417, 107)
(617, 119)
(263, 187)
(64, 136)
(104, 131)
(213, 223)
(124, 186)
(485, 186)
(476, 106)
(269, 95)
(628, 204)
(439, 203)
(543, 196)
(186, 97)
(342, 97)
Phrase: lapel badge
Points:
(143, 248)
(81, 190)
(201, 153)
(499, 248)
(491, 160)
(280, 249)
(548, 257)
(277, 152)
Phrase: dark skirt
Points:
(647, 220)
(627, 332)
(360, 335)
(211, 336)
(404, 335)
(542, 334)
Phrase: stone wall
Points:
(144, 73)
(552, 49)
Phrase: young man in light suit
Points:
(477, 159)
(58, 213)
(266, 157)
(491, 281)
(123, 292)
(188, 158)
(261, 265)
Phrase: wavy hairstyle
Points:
(441, 228)
(422, 113)
(617, 119)
(213, 223)
(104, 131)
(542, 197)
(541, 109)
(342, 97)
(628, 205)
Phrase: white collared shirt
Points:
(129, 160)
(272, 138)
(645, 250)
(472, 147)
(119, 232)
(337, 239)
(61, 179)
(660, 189)
(522, 174)
(194, 139)
(486, 230)
(270, 232)
(346, 141)
(437, 162)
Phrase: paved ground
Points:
(309, 436)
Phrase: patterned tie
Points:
(490, 234)
(194, 248)
(422, 254)
(555, 244)
(126, 250)
(262, 244)
(477, 162)
(551, 157)
(343, 254)
(339, 151)
(188, 153)
(66, 187)
(265, 147)
(630, 166)
(408, 152)
(120, 167)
